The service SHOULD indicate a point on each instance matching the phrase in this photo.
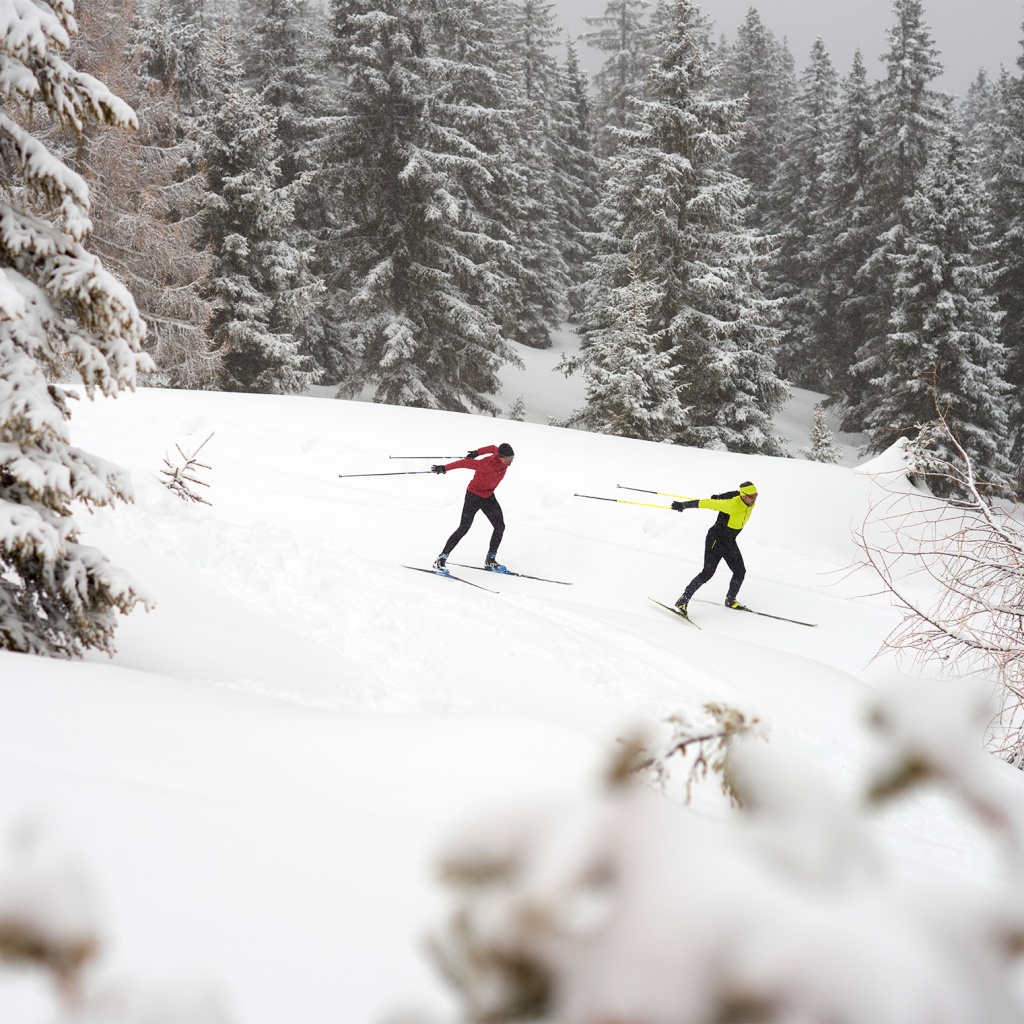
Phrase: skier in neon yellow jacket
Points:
(734, 508)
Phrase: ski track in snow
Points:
(322, 556)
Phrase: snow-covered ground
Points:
(257, 784)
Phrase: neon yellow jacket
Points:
(733, 512)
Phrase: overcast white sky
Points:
(971, 34)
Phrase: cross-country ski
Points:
(502, 571)
(448, 576)
(675, 611)
(767, 615)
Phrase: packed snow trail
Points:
(300, 704)
(324, 556)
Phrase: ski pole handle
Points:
(663, 494)
(411, 472)
(622, 501)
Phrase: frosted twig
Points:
(181, 480)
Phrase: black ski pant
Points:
(719, 546)
(473, 504)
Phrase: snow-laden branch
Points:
(622, 905)
(60, 309)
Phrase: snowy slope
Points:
(259, 779)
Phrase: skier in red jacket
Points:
(488, 473)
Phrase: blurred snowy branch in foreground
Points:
(50, 929)
(709, 737)
(624, 906)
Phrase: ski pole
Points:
(411, 472)
(663, 494)
(449, 457)
(622, 501)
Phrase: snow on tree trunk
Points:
(58, 308)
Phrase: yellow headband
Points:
(749, 489)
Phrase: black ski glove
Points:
(438, 469)
(679, 506)
(473, 454)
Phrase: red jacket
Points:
(489, 471)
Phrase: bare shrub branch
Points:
(708, 741)
(956, 569)
(181, 479)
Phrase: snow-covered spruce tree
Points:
(421, 170)
(673, 201)
(631, 388)
(173, 34)
(279, 63)
(58, 306)
(258, 279)
(1005, 189)
(943, 345)
(979, 113)
(912, 116)
(823, 446)
(794, 273)
(843, 305)
(621, 33)
(485, 111)
(532, 36)
(577, 176)
(148, 196)
(283, 42)
(322, 334)
(761, 71)
(911, 121)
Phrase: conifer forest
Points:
(382, 196)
